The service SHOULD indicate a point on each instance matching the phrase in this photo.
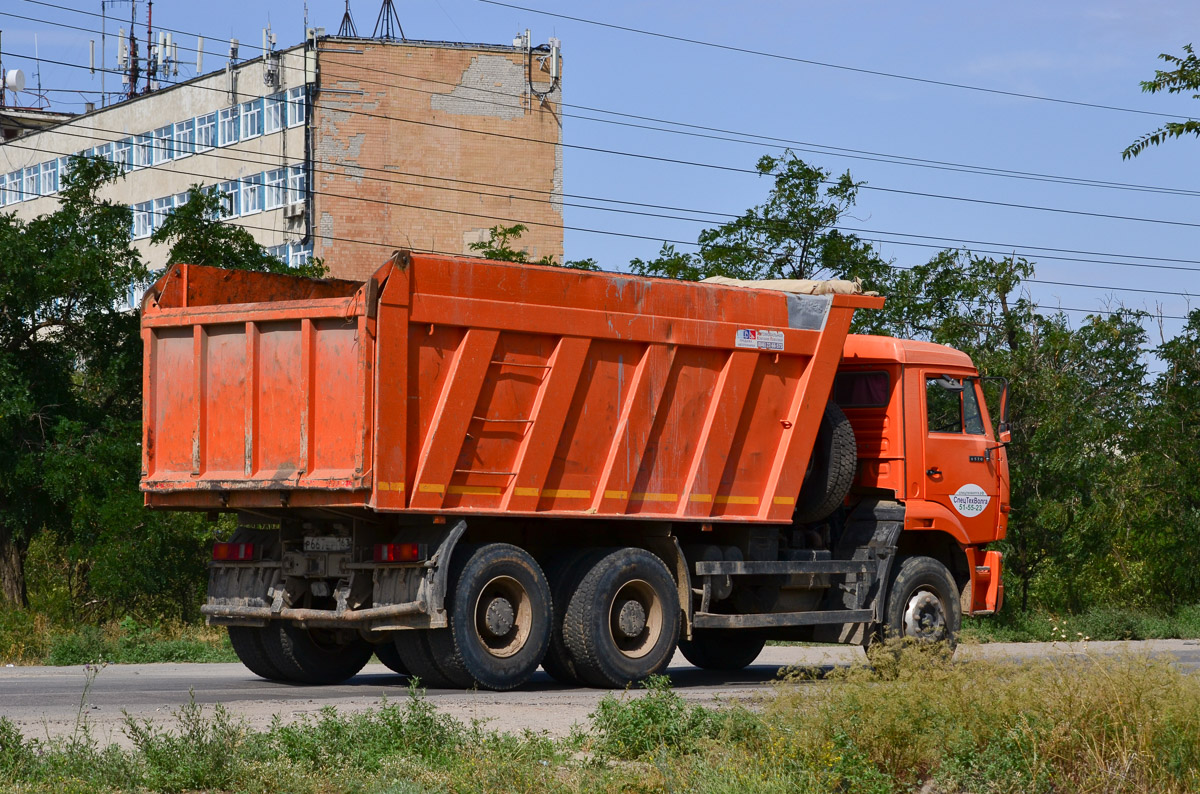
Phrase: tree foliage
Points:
(1183, 78)
(499, 247)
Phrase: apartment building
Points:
(339, 148)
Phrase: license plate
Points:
(326, 544)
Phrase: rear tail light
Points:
(233, 552)
(399, 552)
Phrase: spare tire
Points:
(830, 468)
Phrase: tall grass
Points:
(911, 720)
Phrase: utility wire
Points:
(706, 132)
(826, 65)
(719, 167)
(595, 231)
(223, 154)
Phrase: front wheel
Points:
(923, 602)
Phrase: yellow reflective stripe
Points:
(785, 500)
(616, 494)
(526, 491)
(391, 486)
(475, 490)
(700, 497)
(427, 487)
(566, 493)
(737, 500)
(655, 497)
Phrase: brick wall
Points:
(426, 146)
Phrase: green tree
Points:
(792, 235)
(197, 236)
(499, 246)
(1183, 78)
(64, 361)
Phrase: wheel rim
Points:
(503, 616)
(635, 618)
(924, 617)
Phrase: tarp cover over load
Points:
(796, 286)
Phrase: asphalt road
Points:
(50, 701)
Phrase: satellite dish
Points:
(14, 80)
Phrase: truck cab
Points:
(925, 437)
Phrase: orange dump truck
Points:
(472, 468)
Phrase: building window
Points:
(206, 132)
(181, 199)
(298, 254)
(103, 152)
(64, 168)
(230, 199)
(164, 144)
(227, 121)
(50, 177)
(280, 252)
(252, 194)
(296, 111)
(273, 114)
(11, 187)
(32, 182)
(122, 154)
(143, 226)
(162, 208)
(252, 119)
(275, 189)
(143, 150)
(297, 184)
(185, 138)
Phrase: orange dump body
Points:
(455, 385)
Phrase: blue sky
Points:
(1093, 52)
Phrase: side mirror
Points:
(1005, 434)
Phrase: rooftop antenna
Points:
(388, 23)
(151, 71)
(347, 30)
(3, 76)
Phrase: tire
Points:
(386, 652)
(923, 602)
(717, 649)
(498, 604)
(564, 573)
(413, 649)
(830, 469)
(622, 623)
(247, 642)
(314, 656)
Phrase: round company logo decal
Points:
(970, 500)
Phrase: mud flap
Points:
(872, 533)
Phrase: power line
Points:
(710, 133)
(966, 302)
(717, 166)
(826, 65)
(955, 242)
(597, 231)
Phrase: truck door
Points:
(960, 462)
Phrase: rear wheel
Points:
(247, 642)
(564, 574)
(716, 649)
(923, 602)
(416, 656)
(315, 656)
(499, 613)
(386, 652)
(622, 623)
